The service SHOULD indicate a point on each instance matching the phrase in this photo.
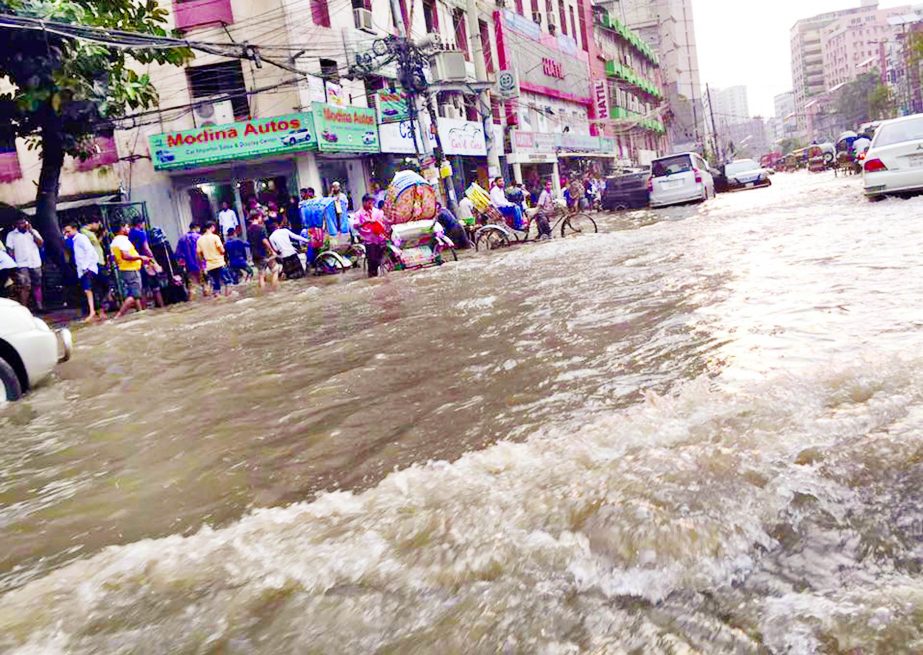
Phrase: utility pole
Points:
(714, 127)
(411, 59)
(480, 72)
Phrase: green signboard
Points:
(345, 129)
(243, 140)
(392, 106)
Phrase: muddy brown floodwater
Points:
(700, 430)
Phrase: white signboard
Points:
(395, 138)
(461, 137)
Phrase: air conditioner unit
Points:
(363, 18)
(449, 111)
(449, 66)
(213, 113)
(552, 28)
(537, 17)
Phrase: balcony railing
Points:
(624, 73)
(10, 170)
(651, 124)
(189, 14)
(104, 153)
(639, 44)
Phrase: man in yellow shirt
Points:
(129, 264)
(211, 251)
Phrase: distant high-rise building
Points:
(668, 26)
(731, 105)
(831, 49)
(785, 124)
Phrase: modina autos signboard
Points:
(242, 140)
(345, 129)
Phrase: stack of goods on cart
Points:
(321, 219)
(410, 198)
(482, 203)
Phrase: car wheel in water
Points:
(9, 381)
(578, 224)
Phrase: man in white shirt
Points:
(86, 262)
(281, 240)
(227, 219)
(341, 207)
(23, 243)
(466, 211)
(510, 210)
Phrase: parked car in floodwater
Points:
(745, 174)
(627, 191)
(894, 161)
(681, 178)
(29, 349)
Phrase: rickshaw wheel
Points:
(579, 223)
(327, 265)
(492, 240)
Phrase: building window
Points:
(329, 70)
(362, 4)
(519, 7)
(485, 43)
(535, 9)
(495, 111)
(10, 169)
(189, 14)
(320, 13)
(573, 22)
(225, 80)
(584, 38)
(563, 15)
(103, 152)
(431, 16)
(460, 25)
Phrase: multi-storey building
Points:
(832, 48)
(627, 88)
(731, 106)
(786, 124)
(668, 26)
(856, 43)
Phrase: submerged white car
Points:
(894, 161)
(29, 349)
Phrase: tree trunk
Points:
(46, 202)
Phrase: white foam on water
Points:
(567, 542)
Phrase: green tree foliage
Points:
(881, 103)
(788, 145)
(854, 104)
(65, 89)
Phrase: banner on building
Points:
(392, 106)
(241, 140)
(461, 137)
(601, 98)
(345, 129)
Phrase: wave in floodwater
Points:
(700, 430)
(782, 516)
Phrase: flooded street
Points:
(700, 430)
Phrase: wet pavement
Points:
(698, 430)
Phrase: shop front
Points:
(580, 154)
(534, 159)
(233, 163)
(266, 160)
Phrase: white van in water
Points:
(680, 178)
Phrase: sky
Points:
(744, 42)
